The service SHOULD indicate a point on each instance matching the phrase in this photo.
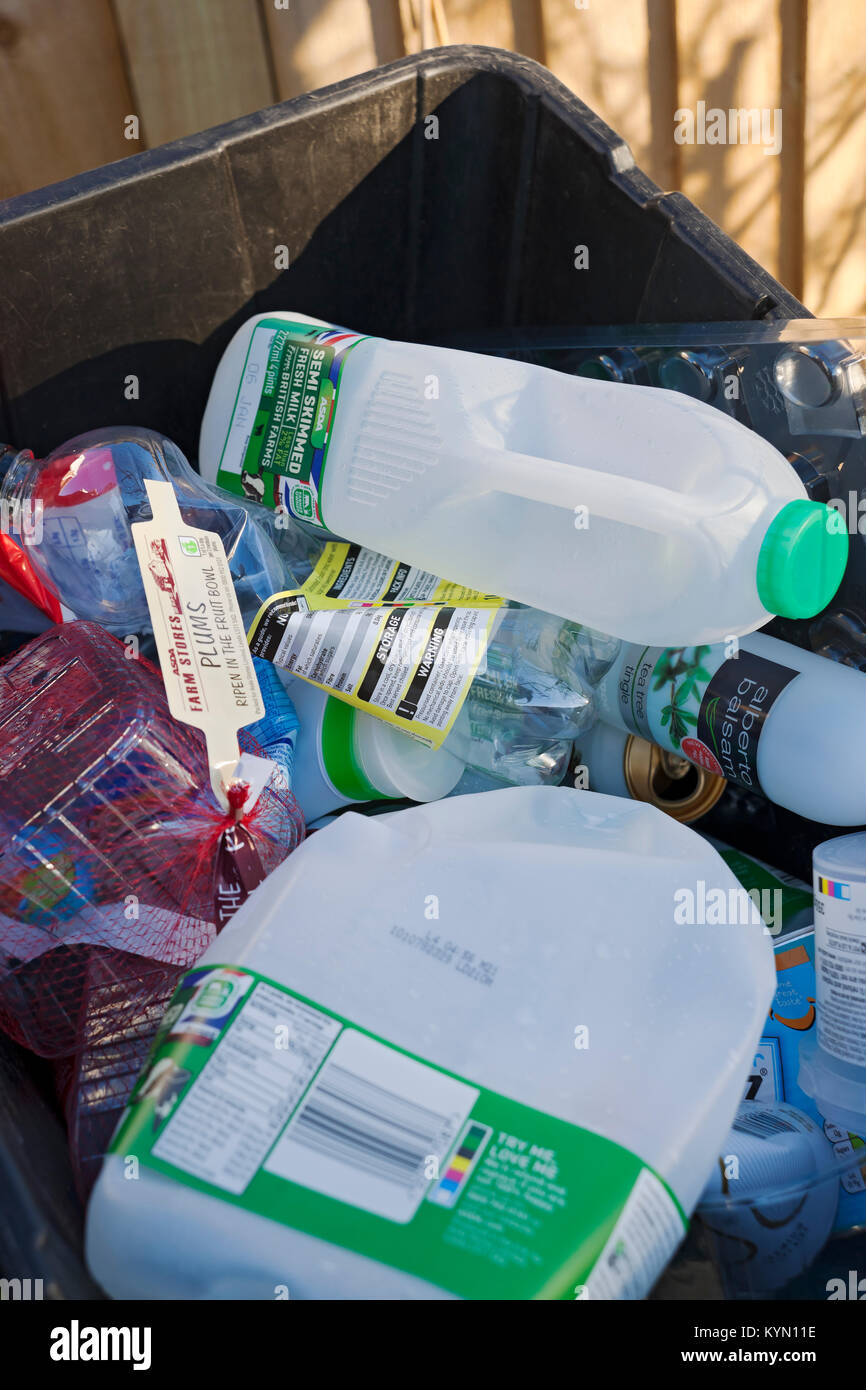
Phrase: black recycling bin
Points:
(389, 222)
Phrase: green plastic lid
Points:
(802, 559)
(338, 753)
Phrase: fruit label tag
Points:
(206, 665)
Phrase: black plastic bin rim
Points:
(535, 80)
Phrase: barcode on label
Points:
(762, 1124)
(373, 1128)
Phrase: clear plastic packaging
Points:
(770, 1205)
(70, 549)
(117, 867)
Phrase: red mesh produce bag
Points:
(117, 867)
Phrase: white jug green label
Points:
(699, 703)
(276, 447)
(286, 1109)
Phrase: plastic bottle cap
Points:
(802, 559)
(394, 760)
(338, 754)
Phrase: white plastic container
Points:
(833, 1063)
(761, 712)
(344, 756)
(643, 513)
(521, 944)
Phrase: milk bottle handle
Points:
(609, 495)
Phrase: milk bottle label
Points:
(282, 1107)
(702, 705)
(276, 447)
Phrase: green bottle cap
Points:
(338, 753)
(802, 559)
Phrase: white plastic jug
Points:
(643, 513)
(462, 1050)
(833, 1062)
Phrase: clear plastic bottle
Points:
(528, 702)
(72, 514)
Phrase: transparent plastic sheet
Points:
(117, 868)
(126, 999)
(770, 1212)
(71, 551)
(800, 383)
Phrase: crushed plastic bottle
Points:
(515, 729)
(513, 721)
(769, 1205)
(71, 515)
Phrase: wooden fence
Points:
(73, 73)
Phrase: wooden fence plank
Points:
(389, 39)
(64, 92)
(480, 21)
(194, 63)
(529, 36)
(792, 187)
(601, 53)
(730, 59)
(315, 42)
(835, 185)
(664, 163)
